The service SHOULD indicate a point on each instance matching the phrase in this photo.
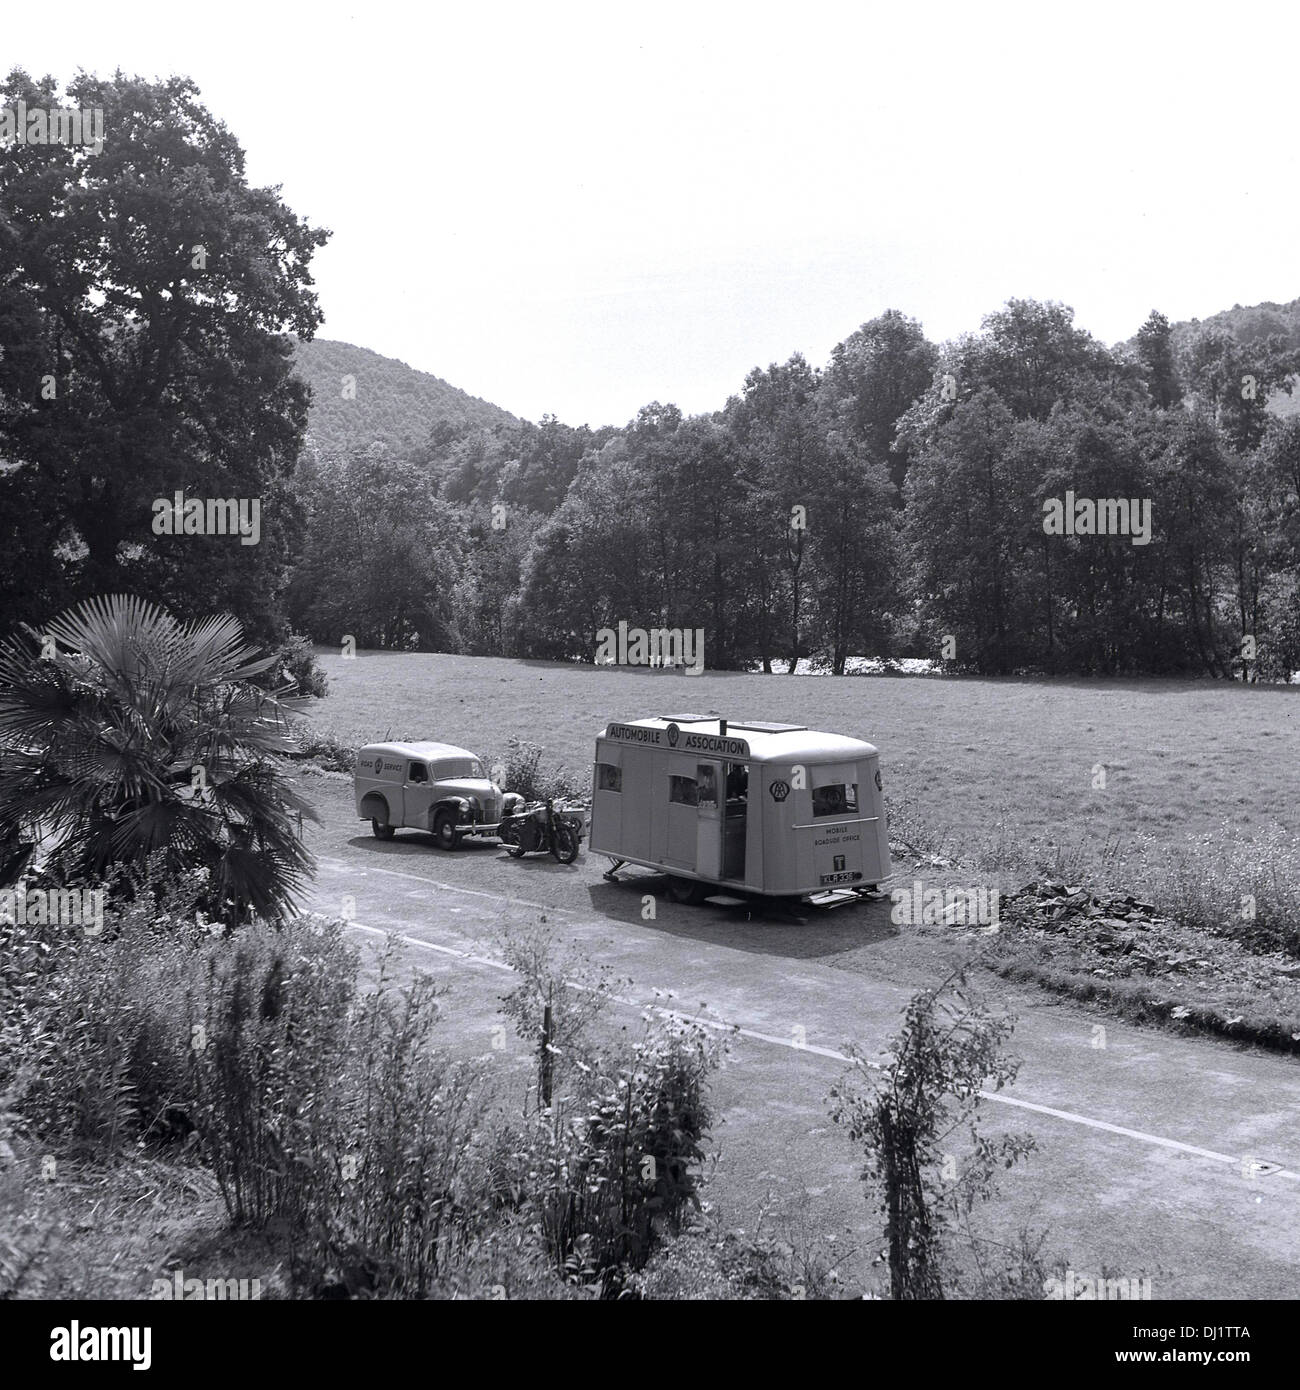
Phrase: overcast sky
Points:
(580, 209)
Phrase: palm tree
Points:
(127, 734)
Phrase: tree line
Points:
(893, 503)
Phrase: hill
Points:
(394, 404)
(1249, 324)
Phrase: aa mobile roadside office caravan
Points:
(773, 809)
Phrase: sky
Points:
(578, 209)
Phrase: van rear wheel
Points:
(687, 890)
(381, 829)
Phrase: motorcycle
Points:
(543, 826)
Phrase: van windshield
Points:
(448, 768)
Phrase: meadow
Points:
(989, 769)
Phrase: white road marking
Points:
(737, 1030)
(447, 887)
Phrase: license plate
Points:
(840, 878)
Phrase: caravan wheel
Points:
(687, 890)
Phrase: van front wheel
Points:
(444, 830)
(381, 829)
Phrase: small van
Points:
(722, 806)
(428, 786)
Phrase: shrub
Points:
(705, 1263)
(607, 1161)
(521, 769)
(395, 1196)
(266, 1023)
(615, 1171)
(90, 1046)
(295, 661)
(329, 1116)
(928, 1089)
(25, 1237)
(560, 995)
(326, 748)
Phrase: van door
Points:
(417, 795)
(708, 825)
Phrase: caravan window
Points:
(835, 799)
(609, 778)
(683, 791)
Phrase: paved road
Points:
(1177, 1158)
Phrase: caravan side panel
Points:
(607, 799)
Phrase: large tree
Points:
(874, 376)
(146, 292)
(1155, 350)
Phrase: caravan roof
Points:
(755, 740)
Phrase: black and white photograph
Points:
(648, 654)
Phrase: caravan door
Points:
(681, 813)
(708, 832)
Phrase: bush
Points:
(611, 1172)
(266, 1024)
(328, 1115)
(90, 1047)
(903, 1115)
(295, 660)
(521, 769)
(704, 1263)
(25, 1238)
(607, 1161)
(325, 748)
(396, 1195)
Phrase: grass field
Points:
(984, 763)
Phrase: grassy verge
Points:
(1221, 959)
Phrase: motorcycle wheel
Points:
(564, 842)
